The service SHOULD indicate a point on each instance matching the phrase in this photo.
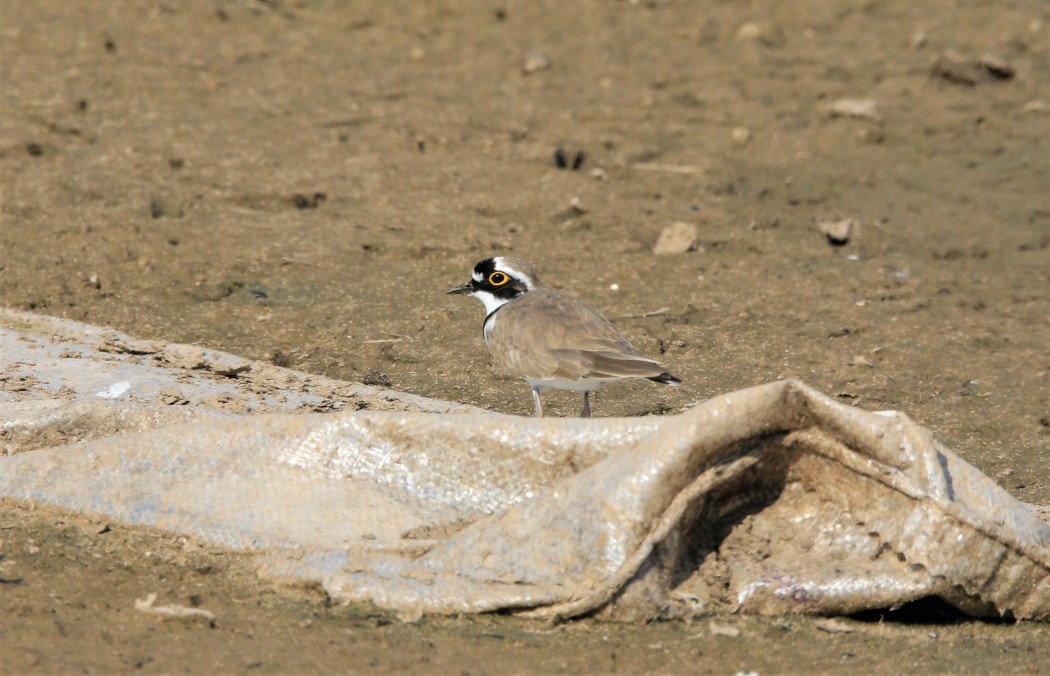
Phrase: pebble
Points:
(834, 626)
(871, 135)
(741, 135)
(996, 67)
(534, 62)
(837, 231)
(676, 238)
(749, 31)
(717, 629)
(958, 69)
(864, 109)
(172, 396)
(377, 378)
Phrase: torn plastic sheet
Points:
(772, 499)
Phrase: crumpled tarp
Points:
(771, 499)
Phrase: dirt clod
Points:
(837, 231)
(376, 377)
(534, 62)
(676, 238)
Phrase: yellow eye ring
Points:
(498, 278)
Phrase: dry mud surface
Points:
(300, 182)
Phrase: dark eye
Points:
(498, 279)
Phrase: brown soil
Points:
(301, 181)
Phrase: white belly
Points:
(584, 385)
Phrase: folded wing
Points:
(549, 334)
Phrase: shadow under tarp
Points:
(771, 499)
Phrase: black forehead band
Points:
(486, 266)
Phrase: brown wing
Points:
(549, 334)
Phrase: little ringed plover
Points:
(549, 338)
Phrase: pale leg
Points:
(585, 412)
(539, 404)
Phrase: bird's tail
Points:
(666, 378)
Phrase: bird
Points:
(550, 338)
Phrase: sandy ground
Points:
(301, 181)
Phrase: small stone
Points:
(749, 31)
(864, 109)
(576, 207)
(301, 201)
(958, 69)
(410, 616)
(376, 378)
(953, 67)
(676, 238)
(997, 68)
(741, 135)
(717, 629)
(837, 231)
(871, 135)
(861, 360)
(534, 62)
(1037, 106)
(834, 626)
(171, 396)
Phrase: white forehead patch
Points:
(476, 276)
(501, 264)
